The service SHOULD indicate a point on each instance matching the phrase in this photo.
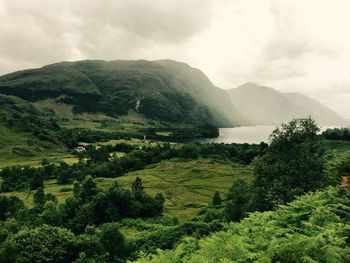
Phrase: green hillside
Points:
(161, 90)
(27, 132)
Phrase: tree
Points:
(113, 241)
(76, 189)
(51, 197)
(4, 206)
(50, 214)
(45, 162)
(292, 165)
(216, 200)
(97, 155)
(39, 197)
(88, 189)
(42, 244)
(10, 122)
(63, 173)
(9, 206)
(238, 201)
(159, 200)
(137, 185)
(36, 181)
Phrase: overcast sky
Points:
(290, 45)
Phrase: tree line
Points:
(97, 162)
(337, 134)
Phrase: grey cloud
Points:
(169, 21)
(39, 32)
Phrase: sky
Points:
(291, 45)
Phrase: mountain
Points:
(316, 109)
(162, 90)
(266, 106)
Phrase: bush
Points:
(41, 244)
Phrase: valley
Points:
(148, 161)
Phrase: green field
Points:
(187, 186)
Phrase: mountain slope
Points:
(315, 109)
(163, 90)
(267, 106)
(263, 105)
(26, 131)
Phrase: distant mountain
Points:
(163, 90)
(266, 106)
(316, 109)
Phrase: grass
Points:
(164, 133)
(136, 142)
(22, 148)
(338, 147)
(186, 185)
(129, 124)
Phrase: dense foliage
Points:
(293, 164)
(313, 228)
(45, 232)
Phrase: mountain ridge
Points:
(114, 87)
(267, 106)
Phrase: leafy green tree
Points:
(76, 189)
(8, 253)
(159, 200)
(4, 207)
(293, 164)
(238, 200)
(45, 162)
(113, 241)
(97, 155)
(50, 214)
(88, 188)
(51, 197)
(137, 185)
(41, 244)
(63, 174)
(190, 151)
(39, 197)
(9, 206)
(90, 248)
(216, 200)
(10, 122)
(36, 181)
(84, 258)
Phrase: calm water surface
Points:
(243, 134)
(246, 134)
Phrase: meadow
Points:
(187, 186)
